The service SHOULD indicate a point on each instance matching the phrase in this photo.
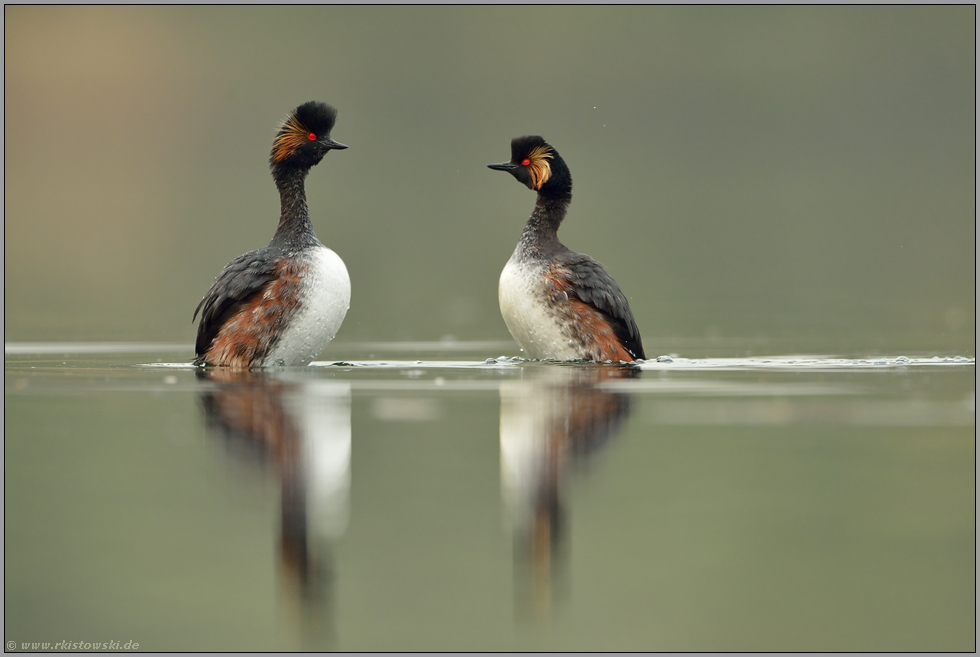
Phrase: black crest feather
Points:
(318, 117)
(521, 147)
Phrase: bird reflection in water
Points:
(303, 428)
(551, 424)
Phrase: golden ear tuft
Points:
(292, 135)
(539, 167)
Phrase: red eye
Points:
(312, 136)
(525, 161)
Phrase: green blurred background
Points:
(760, 173)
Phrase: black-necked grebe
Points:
(559, 304)
(282, 304)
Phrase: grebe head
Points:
(304, 137)
(536, 163)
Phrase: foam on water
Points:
(802, 363)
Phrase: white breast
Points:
(524, 304)
(325, 300)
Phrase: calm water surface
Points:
(423, 496)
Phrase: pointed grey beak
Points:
(336, 145)
(503, 166)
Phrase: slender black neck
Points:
(295, 229)
(541, 231)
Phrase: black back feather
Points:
(241, 278)
(591, 284)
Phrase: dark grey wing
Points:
(591, 284)
(239, 280)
